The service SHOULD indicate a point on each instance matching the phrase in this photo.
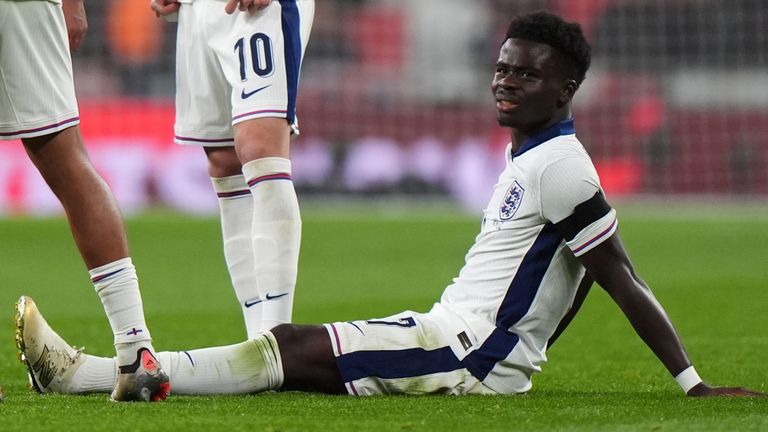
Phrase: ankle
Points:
(127, 353)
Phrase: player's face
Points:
(530, 86)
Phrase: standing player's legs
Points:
(248, 63)
(263, 72)
(39, 107)
(203, 118)
(260, 220)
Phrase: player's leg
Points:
(289, 357)
(45, 117)
(276, 220)
(203, 118)
(92, 213)
(259, 364)
(236, 215)
(97, 228)
(409, 353)
(308, 360)
(263, 72)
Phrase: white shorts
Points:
(37, 94)
(232, 68)
(417, 353)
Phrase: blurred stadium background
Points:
(395, 101)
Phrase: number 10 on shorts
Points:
(261, 55)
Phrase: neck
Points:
(519, 136)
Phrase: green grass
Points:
(709, 272)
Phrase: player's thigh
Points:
(261, 54)
(407, 353)
(203, 109)
(37, 95)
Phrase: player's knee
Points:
(263, 137)
(288, 336)
(223, 162)
(298, 340)
(308, 360)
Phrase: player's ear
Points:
(569, 89)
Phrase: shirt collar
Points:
(564, 127)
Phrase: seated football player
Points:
(547, 232)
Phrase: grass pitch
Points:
(710, 273)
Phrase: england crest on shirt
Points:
(511, 202)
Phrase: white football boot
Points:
(50, 361)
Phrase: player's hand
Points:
(164, 7)
(245, 5)
(77, 22)
(703, 390)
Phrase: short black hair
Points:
(550, 29)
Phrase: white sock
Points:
(248, 367)
(117, 285)
(95, 375)
(236, 208)
(276, 236)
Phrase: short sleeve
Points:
(571, 198)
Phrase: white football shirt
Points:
(522, 273)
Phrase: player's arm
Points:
(578, 300)
(610, 266)
(77, 22)
(573, 201)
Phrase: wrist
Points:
(688, 379)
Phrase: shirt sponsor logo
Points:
(511, 202)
